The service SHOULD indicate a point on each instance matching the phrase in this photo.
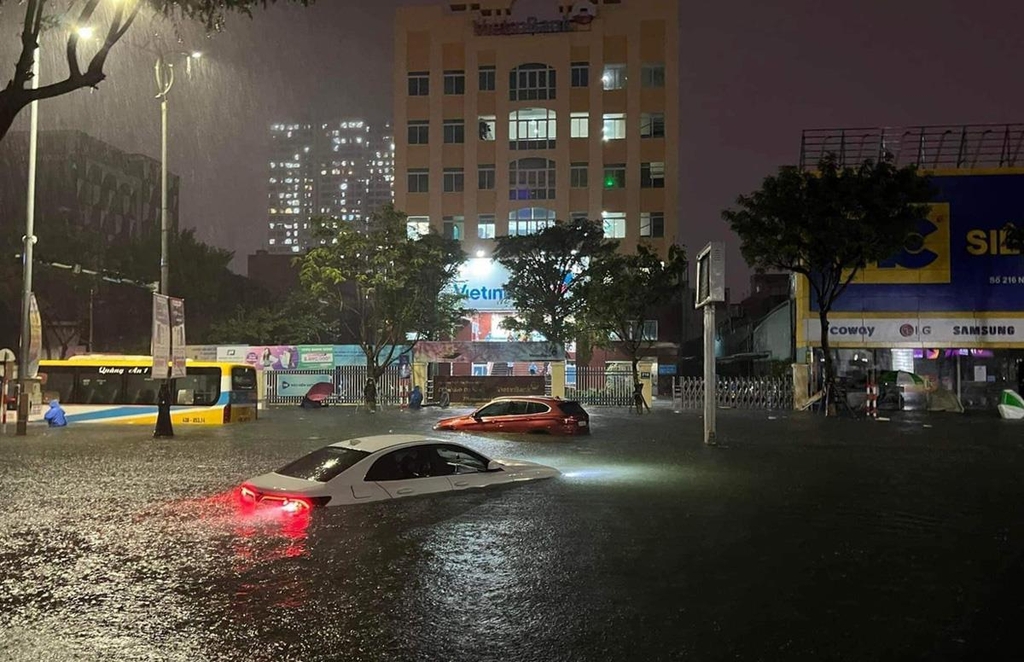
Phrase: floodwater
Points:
(798, 538)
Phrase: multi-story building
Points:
(340, 169)
(511, 114)
(84, 182)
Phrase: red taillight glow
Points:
(295, 506)
(247, 494)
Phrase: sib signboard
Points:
(954, 284)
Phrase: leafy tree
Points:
(548, 277)
(627, 290)
(828, 224)
(391, 290)
(300, 320)
(116, 17)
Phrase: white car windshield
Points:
(324, 464)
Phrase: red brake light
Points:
(247, 494)
(295, 506)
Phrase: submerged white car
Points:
(382, 467)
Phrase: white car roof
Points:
(379, 442)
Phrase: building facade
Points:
(511, 114)
(84, 182)
(950, 306)
(342, 169)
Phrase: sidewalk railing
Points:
(767, 393)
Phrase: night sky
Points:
(754, 75)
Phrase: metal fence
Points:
(600, 386)
(768, 393)
(348, 381)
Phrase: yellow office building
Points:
(510, 114)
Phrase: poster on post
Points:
(177, 309)
(160, 343)
(35, 338)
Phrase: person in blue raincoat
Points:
(55, 415)
(416, 398)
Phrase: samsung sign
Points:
(481, 284)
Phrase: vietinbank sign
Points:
(918, 331)
(481, 284)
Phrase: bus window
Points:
(58, 383)
(243, 379)
(96, 388)
(199, 387)
(141, 389)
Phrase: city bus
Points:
(120, 389)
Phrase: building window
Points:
(652, 125)
(580, 74)
(531, 179)
(531, 128)
(487, 78)
(486, 127)
(485, 177)
(652, 175)
(529, 220)
(579, 125)
(419, 180)
(454, 131)
(452, 227)
(419, 132)
(652, 224)
(650, 330)
(417, 226)
(614, 223)
(455, 82)
(578, 216)
(485, 226)
(578, 175)
(615, 175)
(614, 77)
(652, 75)
(614, 126)
(454, 180)
(419, 83)
(531, 82)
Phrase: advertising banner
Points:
(955, 283)
(315, 357)
(160, 343)
(263, 357)
(299, 385)
(35, 337)
(482, 389)
(481, 284)
(354, 355)
(487, 352)
(207, 353)
(177, 309)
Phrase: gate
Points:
(348, 381)
(767, 393)
(601, 386)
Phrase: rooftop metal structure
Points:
(930, 147)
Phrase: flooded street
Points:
(798, 538)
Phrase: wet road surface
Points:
(798, 538)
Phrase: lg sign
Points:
(908, 330)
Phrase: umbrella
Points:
(320, 391)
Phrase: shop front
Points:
(949, 309)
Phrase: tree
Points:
(829, 224)
(391, 290)
(627, 290)
(548, 277)
(116, 21)
(298, 320)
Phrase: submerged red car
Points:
(523, 414)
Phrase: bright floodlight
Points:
(196, 55)
(85, 32)
(480, 252)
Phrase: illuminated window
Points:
(531, 179)
(652, 175)
(614, 126)
(531, 128)
(614, 77)
(417, 226)
(486, 126)
(531, 82)
(614, 223)
(615, 175)
(580, 74)
(452, 226)
(579, 125)
(485, 226)
(529, 220)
